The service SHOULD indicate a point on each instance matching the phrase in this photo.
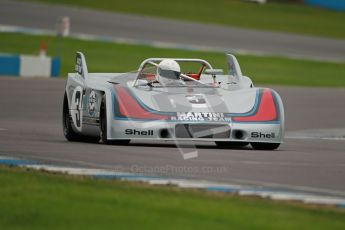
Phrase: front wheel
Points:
(265, 146)
(104, 126)
(68, 131)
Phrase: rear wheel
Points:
(265, 146)
(231, 144)
(68, 131)
(104, 126)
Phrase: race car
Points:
(172, 99)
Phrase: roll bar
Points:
(147, 61)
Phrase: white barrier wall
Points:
(34, 66)
(29, 66)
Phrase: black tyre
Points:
(68, 131)
(265, 146)
(231, 144)
(103, 127)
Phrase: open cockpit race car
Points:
(172, 99)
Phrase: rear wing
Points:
(234, 68)
(80, 66)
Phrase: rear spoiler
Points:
(80, 66)
(234, 68)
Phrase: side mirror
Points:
(214, 71)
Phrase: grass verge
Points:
(293, 18)
(113, 57)
(38, 200)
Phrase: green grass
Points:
(38, 200)
(293, 18)
(112, 57)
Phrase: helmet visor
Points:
(170, 74)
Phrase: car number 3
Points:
(77, 107)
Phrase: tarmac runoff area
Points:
(311, 161)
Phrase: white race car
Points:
(172, 99)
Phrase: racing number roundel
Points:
(92, 102)
(77, 107)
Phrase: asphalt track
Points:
(30, 127)
(41, 16)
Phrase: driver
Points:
(168, 72)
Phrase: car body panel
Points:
(175, 113)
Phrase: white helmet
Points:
(168, 72)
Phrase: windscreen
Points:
(188, 77)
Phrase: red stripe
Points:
(266, 112)
(130, 108)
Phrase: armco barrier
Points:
(330, 4)
(29, 66)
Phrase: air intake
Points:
(202, 131)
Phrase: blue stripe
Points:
(341, 205)
(116, 112)
(126, 177)
(147, 108)
(252, 112)
(221, 189)
(55, 67)
(16, 162)
(249, 113)
(330, 4)
(9, 65)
